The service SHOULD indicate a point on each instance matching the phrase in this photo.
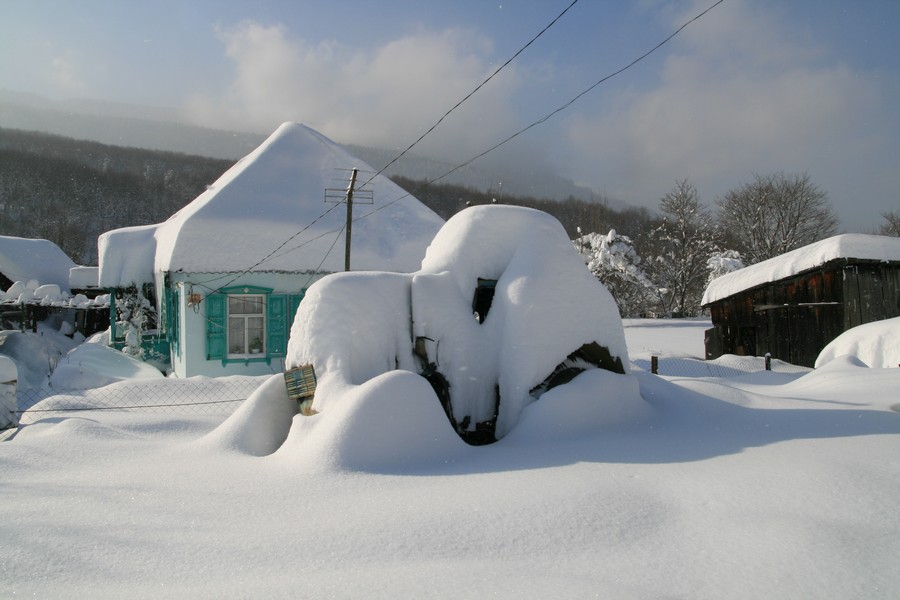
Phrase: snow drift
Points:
(542, 313)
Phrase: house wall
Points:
(189, 324)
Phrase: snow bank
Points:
(260, 425)
(391, 423)
(546, 305)
(356, 327)
(8, 371)
(95, 365)
(35, 354)
(875, 344)
(850, 245)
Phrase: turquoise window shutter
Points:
(215, 327)
(276, 325)
(295, 304)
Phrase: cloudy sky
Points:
(754, 86)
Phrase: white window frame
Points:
(260, 299)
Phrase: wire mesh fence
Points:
(219, 397)
(207, 397)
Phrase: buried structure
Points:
(501, 311)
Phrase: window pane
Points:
(245, 305)
(236, 336)
(255, 336)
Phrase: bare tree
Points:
(774, 214)
(681, 246)
(892, 226)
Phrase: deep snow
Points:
(353, 327)
(765, 485)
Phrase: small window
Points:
(484, 297)
(246, 326)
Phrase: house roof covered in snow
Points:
(23, 259)
(268, 213)
(127, 256)
(847, 246)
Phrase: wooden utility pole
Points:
(349, 218)
(350, 194)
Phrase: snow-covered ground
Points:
(763, 485)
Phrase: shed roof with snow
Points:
(24, 259)
(268, 213)
(847, 246)
(127, 256)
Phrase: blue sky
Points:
(754, 86)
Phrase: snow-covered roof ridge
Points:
(277, 193)
(23, 259)
(849, 245)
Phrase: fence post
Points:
(654, 365)
(768, 362)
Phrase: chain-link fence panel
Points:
(198, 396)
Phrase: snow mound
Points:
(35, 354)
(94, 365)
(392, 423)
(8, 370)
(542, 307)
(595, 401)
(876, 344)
(261, 423)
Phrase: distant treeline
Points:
(70, 191)
(446, 200)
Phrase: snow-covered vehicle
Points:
(502, 310)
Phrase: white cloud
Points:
(738, 94)
(387, 96)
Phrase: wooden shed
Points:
(793, 305)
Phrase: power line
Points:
(272, 253)
(472, 93)
(548, 116)
(410, 147)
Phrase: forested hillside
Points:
(70, 191)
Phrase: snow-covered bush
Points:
(135, 314)
(723, 262)
(612, 259)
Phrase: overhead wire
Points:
(550, 115)
(540, 121)
(473, 92)
(403, 153)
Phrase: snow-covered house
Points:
(230, 268)
(793, 305)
